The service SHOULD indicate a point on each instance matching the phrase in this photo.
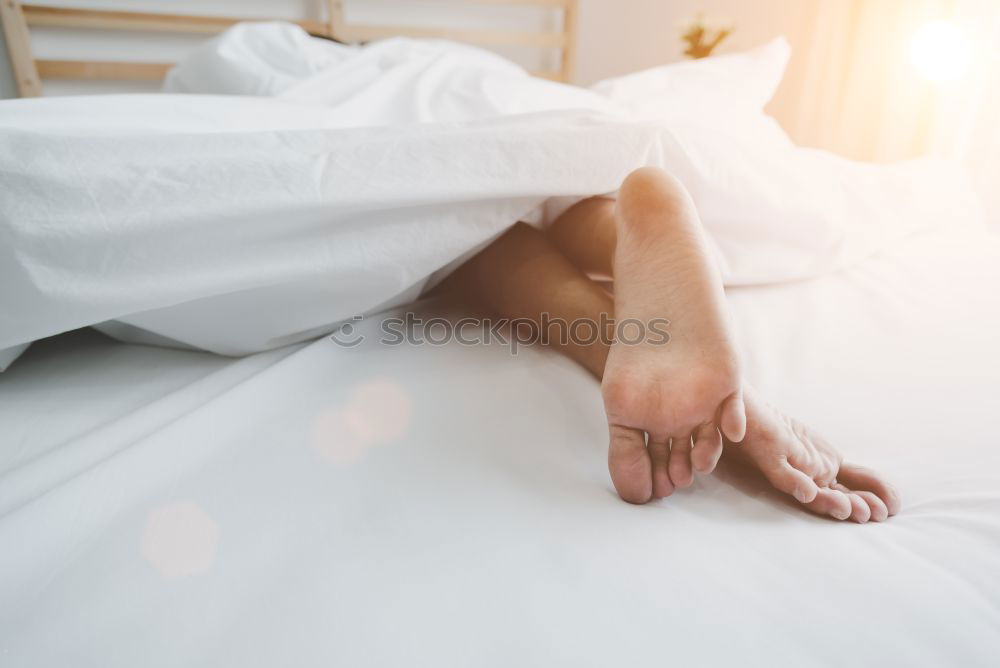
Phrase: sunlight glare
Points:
(940, 51)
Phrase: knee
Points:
(592, 208)
(598, 206)
(523, 235)
(651, 190)
(651, 179)
(590, 214)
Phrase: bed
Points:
(165, 507)
(311, 503)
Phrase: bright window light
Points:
(940, 51)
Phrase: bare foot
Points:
(799, 462)
(683, 392)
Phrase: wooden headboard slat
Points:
(103, 70)
(17, 18)
(110, 70)
(362, 33)
(555, 4)
(61, 17)
(19, 46)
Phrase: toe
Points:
(831, 502)
(859, 478)
(861, 512)
(879, 512)
(733, 417)
(629, 464)
(788, 479)
(659, 456)
(680, 462)
(707, 448)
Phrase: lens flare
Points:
(180, 539)
(940, 51)
(378, 411)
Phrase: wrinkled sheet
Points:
(238, 224)
(450, 506)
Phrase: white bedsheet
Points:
(450, 506)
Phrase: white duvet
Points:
(355, 176)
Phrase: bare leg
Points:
(586, 234)
(521, 276)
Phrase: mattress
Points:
(450, 505)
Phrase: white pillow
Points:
(396, 81)
(722, 85)
(774, 211)
(256, 58)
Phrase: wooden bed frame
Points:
(29, 72)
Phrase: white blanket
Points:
(237, 224)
